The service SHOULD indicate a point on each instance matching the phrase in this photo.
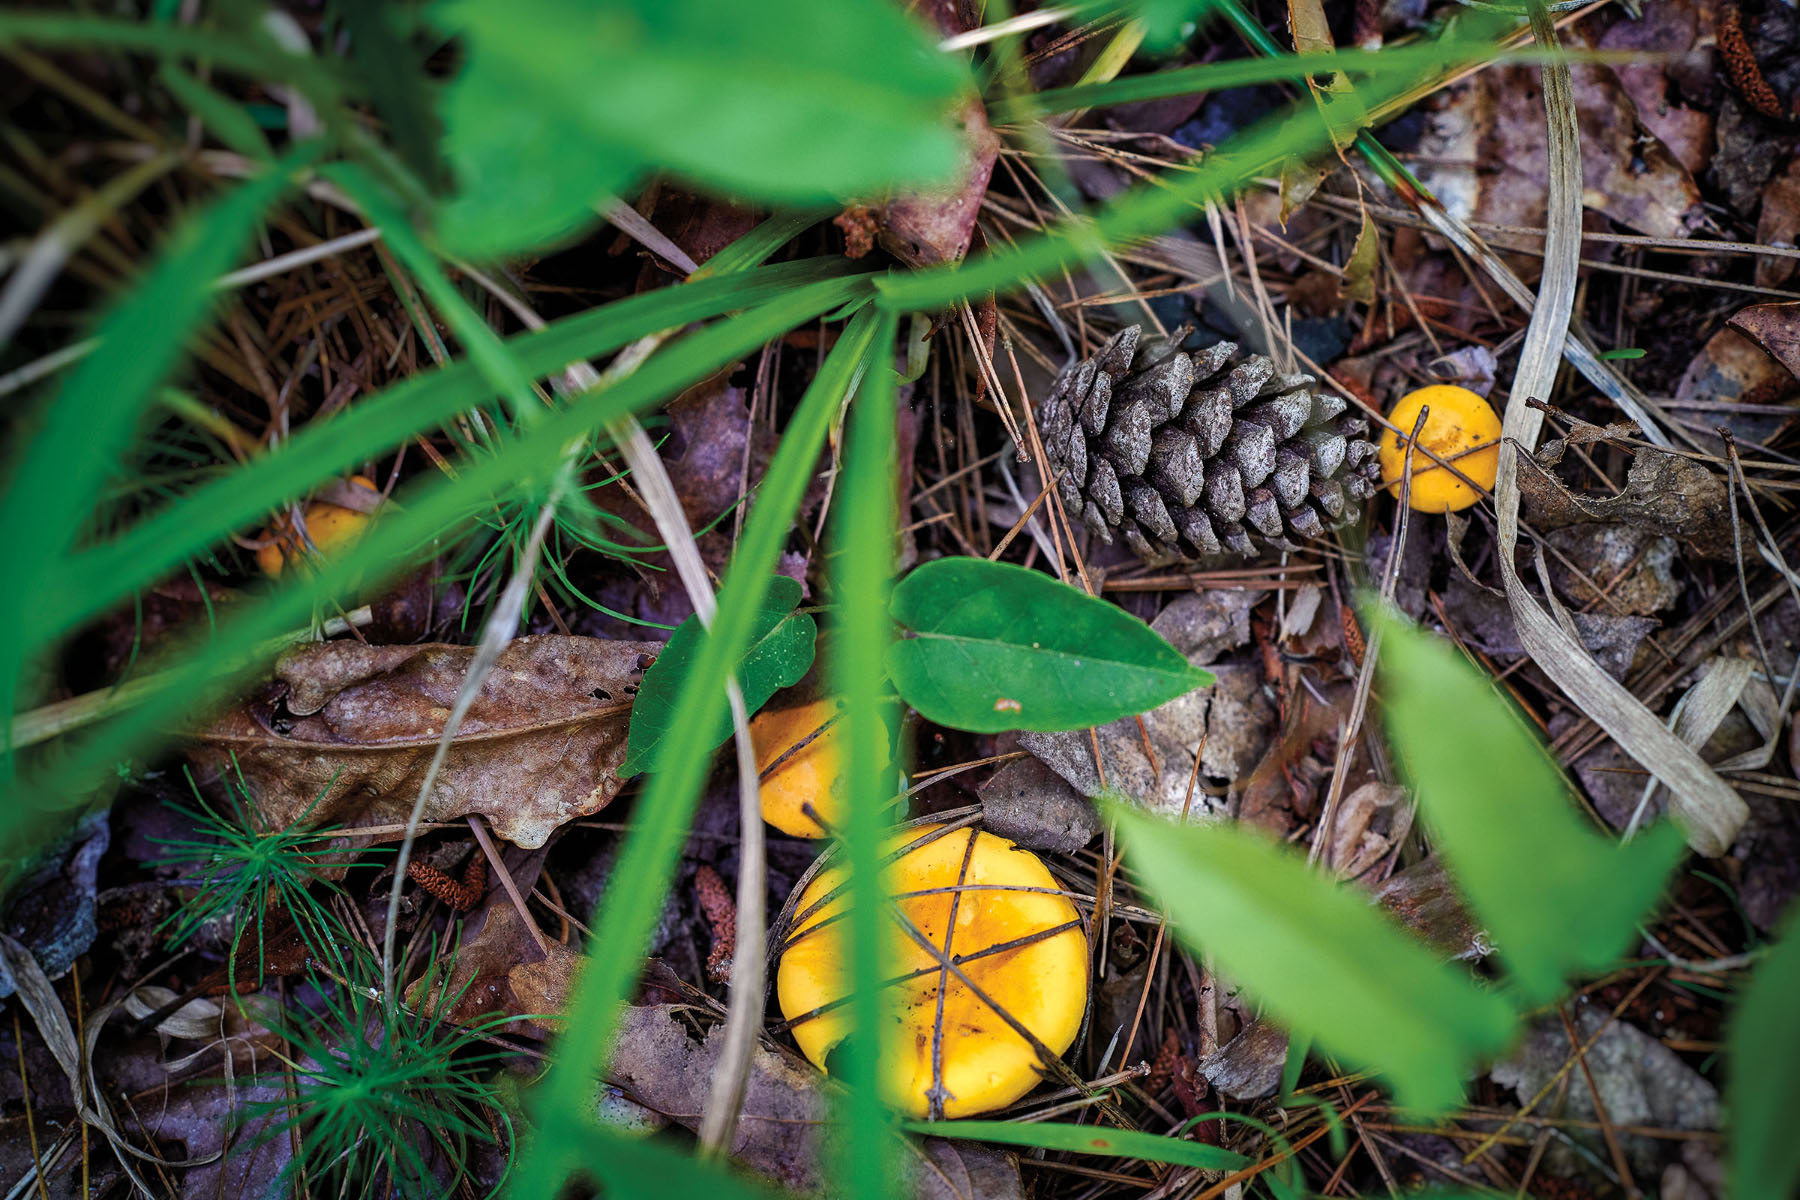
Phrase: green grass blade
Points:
(1168, 200)
(83, 432)
(490, 355)
(1763, 1097)
(1558, 897)
(756, 246)
(634, 898)
(97, 578)
(863, 546)
(256, 56)
(637, 1166)
(1321, 958)
(428, 511)
(1087, 1139)
(1414, 62)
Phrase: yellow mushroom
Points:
(1009, 899)
(328, 526)
(1459, 426)
(800, 759)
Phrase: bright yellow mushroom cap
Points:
(1460, 421)
(1041, 983)
(800, 758)
(329, 526)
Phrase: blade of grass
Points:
(862, 575)
(1168, 200)
(633, 900)
(84, 430)
(1412, 60)
(253, 54)
(1087, 1139)
(98, 577)
(427, 511)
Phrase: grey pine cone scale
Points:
(1205, 453)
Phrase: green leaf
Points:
(562, 102)
(999, 647)
(1558, 897)
(1763, 1097)
(780, 652)
(1320, 958)
(1087, 1139)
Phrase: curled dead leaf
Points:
(1665, 493)
(344, 734)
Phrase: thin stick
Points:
(1365, 675)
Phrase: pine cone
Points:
(1205, 453)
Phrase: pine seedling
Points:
(389, 1099)
(242, 872)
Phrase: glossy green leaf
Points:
(997, 647)
(790, 101)
(779, 653)
(1318, 956)
(1088, 1139)
(1558, 897)
(1763, 1097)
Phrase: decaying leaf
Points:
(786, 1115)
(499, 969)
(1663, 492)
(1031, 805)
(1731, 367)
(1359, 268)
(1776, 328)
(1487, 140)
(344, 734)
(928, 228)
(1151, 758)
(1624, 568)
(1641, 1083)
(1669, 38)
(1778, 224)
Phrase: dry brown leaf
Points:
(1489, 141)
(1664, 493)
(928, 228)
(1776, 328)
(786, 1111)
(499, 970)
(1778, 224)
(1732, 367)
(345, 731)
(1673, 38)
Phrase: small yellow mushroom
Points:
(1009, 899)
(800, 759)
(1460, 424)
(328, 526)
